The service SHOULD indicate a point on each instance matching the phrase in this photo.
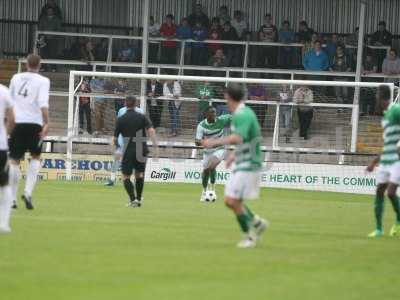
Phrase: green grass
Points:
(82, 243)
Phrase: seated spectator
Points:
(240, 25)
(101, 50)
(168, 48)
(391, 66)
(369, 65)
(155, 106)
(154, 31)
(173, 90)
(305, 33)
(367, 95)
(50, 22)
(127, 53)
(213, 47)
(341, 63)
(185, 32)
(223, 15)
(199, 49)
(84, 108)
(53, 5)
(382, 37)
(268, 33)
(199, 16)
(257, 92)
(87, 52)
(204, 92)
(303, 97)
(316, 59)
(231, 51)
(218, 60)
(286, 36)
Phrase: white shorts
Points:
(207, 157)
(243, 185)
(388, 173)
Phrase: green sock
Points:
(213, 176)
(396, 207)
(244, 222)
(379, 204)
(205, 177)
(249, 213)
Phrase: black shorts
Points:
(24, 138)
(131, 162)
(4, 168)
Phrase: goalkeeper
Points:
(388, 174)
(211, 127)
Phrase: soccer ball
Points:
(211, 196)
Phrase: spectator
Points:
(285, 112)
(199, 52)
(331, 47)
(127, 52)
(168, 49)
(199, 16)
(87, 52)
(184, 32)
(49, 22)
(120, 89)
(155, 106)
(204, 92)
(382, 37)
(224, 15)
(391, 66)
(268, 33)
(101, 50)
(173, 90)
(75, 51)
(84, 108)
(240, 25)
(316, 59)
(257, 92)
(305, 33)
(352, 44)
(218, 60)
(154, 32)
(303, 97)
(310, 44)
(100, 105)
(341, 63)
(286, 36)
(367, 96)
(53, 5)
(231, 51)
(213, 47)
(216, 25)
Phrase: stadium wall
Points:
(314, 177)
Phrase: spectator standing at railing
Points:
(305, 33)
(155, 105)
(204, 92)
(285, 112)
(168, 48)
(127, 52)
(341, 63)
(87, 52)
(391, 66)
(331, 46)
(367, 96)
(257, 92)
(121, 89)
(50, 22)
(53, 5)
(268, 33)
(286, 36)
(185, 32)
(199, 16)
(316, 59)
(382, 37)
(303, 97)
(223, 15)
(97, 86)
(240, 24)
(84, 108)
(351, 42)
(199, 51)
(101, 50)
(173, 91)
(231, 51)
(154, 32)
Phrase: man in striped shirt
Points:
(244, 182)
(212, 127)
(388, 177)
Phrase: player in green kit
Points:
(388, 174)
(244, 182)
(212, 127)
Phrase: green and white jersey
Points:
(214, 130)
(391, 135)
(248, 156)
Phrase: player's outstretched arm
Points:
(232, 139)
(45, 128)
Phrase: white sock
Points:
(31, 176)
(5, 206)
(15, 175)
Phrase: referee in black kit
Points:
(135, 128)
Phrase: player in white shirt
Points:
(6, 113)
(30, 97)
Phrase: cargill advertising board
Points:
(318, 177)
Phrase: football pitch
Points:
(82, 243)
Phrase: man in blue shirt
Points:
(316, 59)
